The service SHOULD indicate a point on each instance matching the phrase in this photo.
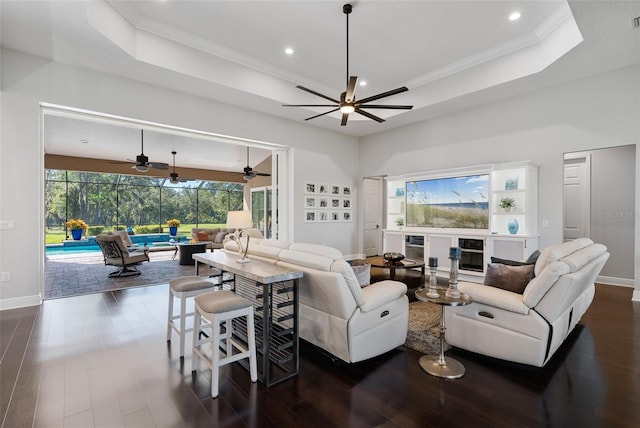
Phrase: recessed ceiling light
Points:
(84, 141)
(288, 51)
(515, 16)
(363, 83)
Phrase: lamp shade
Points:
(239, 219)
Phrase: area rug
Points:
(424, 328)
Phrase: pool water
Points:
(57, 250)
(89, 245)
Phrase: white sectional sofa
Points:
(528, 328)
(336, 314)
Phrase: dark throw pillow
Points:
(509, 262)
(533, 258)
(507, 277)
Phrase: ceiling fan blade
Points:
(262, 174)
(310, 105)
(318, 94)
(322, 114)
(382, 95)
(394, 107)
(345, 117)
(351, 89)
(158, 165)
(370, 116)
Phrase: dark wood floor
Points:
(102, 360)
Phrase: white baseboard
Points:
(20, 302)
(620, 282)
(348, 257)
(611, 280)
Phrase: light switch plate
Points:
(7, 225)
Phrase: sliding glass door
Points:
(261, 210)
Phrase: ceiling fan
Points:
(142, 163)
(174, 178)
(250, 173)
(348, 103)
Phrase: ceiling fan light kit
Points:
(348, 103)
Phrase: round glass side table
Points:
(438, 365)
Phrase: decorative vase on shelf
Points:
(76, 234)
(173, 230)
(513, 226)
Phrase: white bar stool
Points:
(217, 307)
(182, 288)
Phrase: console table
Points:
(274, 293)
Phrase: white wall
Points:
(601, 111)
(27, 81)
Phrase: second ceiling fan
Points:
(174, 177)
(249, 173)
(348, 103)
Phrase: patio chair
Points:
(116, 254)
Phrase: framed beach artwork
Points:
(323, 202)
(310, 216)
(323, 216)
(336, 203)
(335, 189)
(323, 189)
(346, 190)
(335, 216)
(346, 215)
(346, 203)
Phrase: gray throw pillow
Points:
(219, 237)
(363, 274)
(511, 278)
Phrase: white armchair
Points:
(528, 328)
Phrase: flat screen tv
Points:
(451, 202)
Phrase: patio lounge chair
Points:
(116, 254)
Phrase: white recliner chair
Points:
(528, 328)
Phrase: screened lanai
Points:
(141, 204)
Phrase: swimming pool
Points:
(60, 249)
(89, 245)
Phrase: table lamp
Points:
(240, 220)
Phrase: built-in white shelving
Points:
(518, 181)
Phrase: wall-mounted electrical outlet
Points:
(6, 276)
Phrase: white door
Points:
(372, 195)
(577, 194)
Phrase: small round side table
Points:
(438, 365)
